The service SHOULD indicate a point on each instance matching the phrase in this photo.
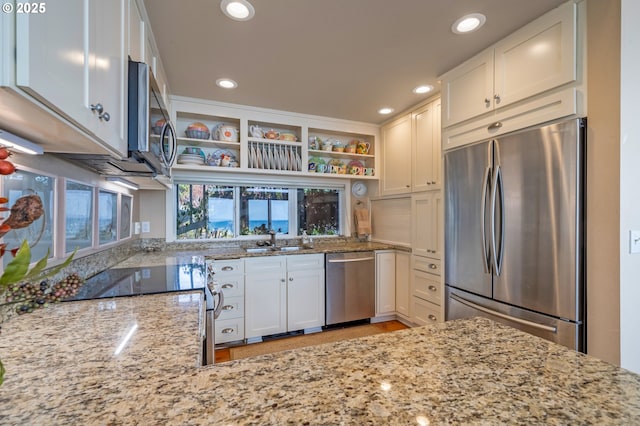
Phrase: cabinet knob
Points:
(487, 102)
(105, 116)
(290, 278)
(494, 126)
(432, 265)
(97, 108)
(433, 182)
(227, 308)
(428, 183)
(432, 288)
(497, 98)
(282, 280)
(227, 330)
(432, 317)
(408, 186)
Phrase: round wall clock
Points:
(359, 189)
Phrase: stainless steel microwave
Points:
(151, 136)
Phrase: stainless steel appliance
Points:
(151, 136)
(514, 231)
(349, 286)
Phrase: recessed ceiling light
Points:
(385, 111)
(423, 89)
(238, 10)
(226, 83)
(468, 23)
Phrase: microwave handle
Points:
(167, 126)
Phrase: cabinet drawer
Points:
(229, 330)
(227, 267)
(424, 312)
(233, 307)
(265, 265)
(426, 265)
(302, 262)
(427, 286)
(232, 286)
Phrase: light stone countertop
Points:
(61, 369)
(181, 256)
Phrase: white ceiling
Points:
(334, 58)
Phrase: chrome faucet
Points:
(272, 233)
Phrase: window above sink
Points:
(212, 211)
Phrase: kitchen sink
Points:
(289, 248)
(258, 250)
(268, 249)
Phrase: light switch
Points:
(634, 241)
(136, 228)
(146, 227)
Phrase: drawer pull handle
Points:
(227, 308)
(433, 288)
(227, 285)
(227, 268)
(495, 126)
(433, 266)
(432, 317)
(227, 330)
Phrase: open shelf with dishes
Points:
(207, 140)
(211, 139)
(342, 153)
(260, 131)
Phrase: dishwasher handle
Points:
(359, 259)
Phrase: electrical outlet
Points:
(146, 227)
(136, 228)
(634, 241)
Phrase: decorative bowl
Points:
(197, 134)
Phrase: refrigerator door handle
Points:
(504, 316)
(497, 257)
(483, 209)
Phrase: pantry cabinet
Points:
(72, 59)
(283, 293)
(427, 224)
(539, 57)
(426, 158)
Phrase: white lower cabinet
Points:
(283, 293)
(403, 266)
(229, 326)
(427, 303)
(385, 282)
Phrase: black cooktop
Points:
(117, 282)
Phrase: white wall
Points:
(629, 185)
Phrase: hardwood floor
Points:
(224, 355)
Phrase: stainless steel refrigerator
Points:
(514, 231)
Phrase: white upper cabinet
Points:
(107, 71)
(426, 148)
(72, 58)
(51, 56)
(467, 91)
(136, 33)
(537, 58)
(396, 157)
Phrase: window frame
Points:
(54, 208)
(343, 197)
(97, 244)
(63, 203)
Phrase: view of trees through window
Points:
(211, 211)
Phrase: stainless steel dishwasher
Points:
(350, 286)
